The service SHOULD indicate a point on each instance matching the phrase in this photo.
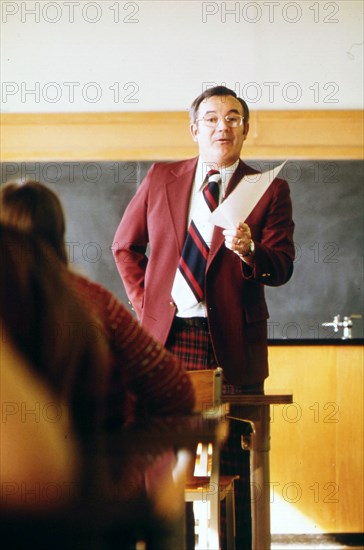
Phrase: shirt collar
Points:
(202, 169)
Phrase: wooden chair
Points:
(207, 485)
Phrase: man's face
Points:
(220, 145)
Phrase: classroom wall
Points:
(83, 56)
(300, 67)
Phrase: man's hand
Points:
(238, 240)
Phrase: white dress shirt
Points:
(199, 309)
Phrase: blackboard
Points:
(327, 201)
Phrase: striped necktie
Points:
(192, 264)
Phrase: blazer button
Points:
(172, 304)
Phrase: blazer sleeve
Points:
(130, 245)
(272, 229)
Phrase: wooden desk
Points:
(140, 446)
(255, 410)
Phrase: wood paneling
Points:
(317, 443)
(165, 135)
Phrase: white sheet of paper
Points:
(238, 205)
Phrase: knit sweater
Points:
(144, 379)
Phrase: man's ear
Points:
(246, 130)
(194, 131)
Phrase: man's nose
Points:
(222, 124)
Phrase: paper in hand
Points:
(238, 205)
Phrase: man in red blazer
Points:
(234, 304)
(229, 326)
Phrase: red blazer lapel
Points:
(241, 171)
(178, 186)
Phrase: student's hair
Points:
(217, 91)
(43, 318)
(34, 208)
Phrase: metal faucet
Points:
(346, 324)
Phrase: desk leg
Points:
(259, 445)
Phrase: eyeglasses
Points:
(211, 120)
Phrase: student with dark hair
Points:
(134, 380)
(142, 377)
(60, 340)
